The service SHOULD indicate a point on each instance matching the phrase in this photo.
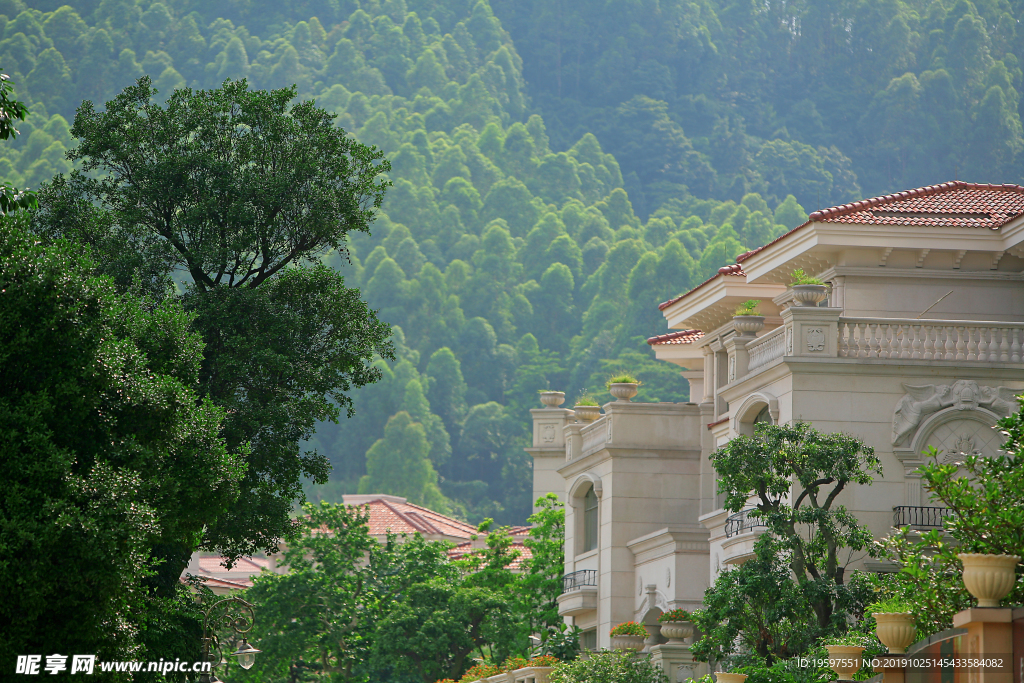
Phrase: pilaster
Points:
(811, 331)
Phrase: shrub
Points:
(586, 399)
(889, 606)
(543, 660)
(609, 667)
(674, 615)
(849, 640)
(624, 378)
(747, 307)
(513, 663)
(479, 671)
(799, 277)
(629, 628)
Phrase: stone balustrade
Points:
(766, 349)
(943, 340)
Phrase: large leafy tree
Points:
(106, 451)
(235, 193)
(11, 111)
(794, 476)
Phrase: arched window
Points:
(590, 520)
(763, 416)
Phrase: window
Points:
(588, 640)
(590, 520)
(763, 416)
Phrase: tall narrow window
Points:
(590, 520)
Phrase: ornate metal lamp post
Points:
(239, 616)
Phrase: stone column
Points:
(696, 380)
(812, 332)
(989, 635)
(548, 450)
(739, 358)
(677, 662)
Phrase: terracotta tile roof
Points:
(519, 530)
(734, 269)
(955, 204)
(464, 549)
(235, 584)
(215, 565)
(390, 513)
(681, 337)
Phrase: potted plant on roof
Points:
(628, 636)
(747, 322)
(586, 408)
(807, 291)
(551, 399)
(623, 387)
(844, 655)
(894, 624)
(676, 626)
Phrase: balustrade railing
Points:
(584, 577)
(771, 346)
(741, 522)
(945, 340)
(916, 515)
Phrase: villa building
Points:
(919, 344)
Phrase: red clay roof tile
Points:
(681, 337)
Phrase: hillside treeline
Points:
(558, 169)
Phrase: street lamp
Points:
(233, 613)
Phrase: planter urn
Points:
(552, 399)
(895, 630)
(723, 677)
(748, 325)
(989, 578)
(845, 660)
(587, 414)
(809, 295)
(631, 643)
(676, 631)
(623, 391)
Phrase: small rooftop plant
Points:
(478, 671)
(799, 277)
(586, 399)
(889, 606)
(848, 640)
(543, 660)
(674, 615)
(624, 378)
(513, 663)
(747, 307)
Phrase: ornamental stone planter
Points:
(748, 325)
(809, 295)
(989, 578)
(631, 643)
(723, 677)
(552, 399)
(845, 660)
(587, 414)
(895, 630)
(623, 391)
(676, 631)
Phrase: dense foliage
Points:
(241, 190)
(355, 609)
(107, 453)
(509, 251)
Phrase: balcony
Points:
(584, 577)
(579, 593)
(741, 522)
(918, 516)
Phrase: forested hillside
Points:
(559, 168)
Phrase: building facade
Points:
(920, 343)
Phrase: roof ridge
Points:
(415, 524)
(926, 191)
(671, 335)
(454, 522)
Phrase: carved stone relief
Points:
(964, 394)
(547, 433)
(815, 337)
(956, 439)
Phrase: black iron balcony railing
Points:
(916, 515)
(741, 522)
(584, 577)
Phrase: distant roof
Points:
(463, 549)
(681, 337)
(395, 514)
(956, 204)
